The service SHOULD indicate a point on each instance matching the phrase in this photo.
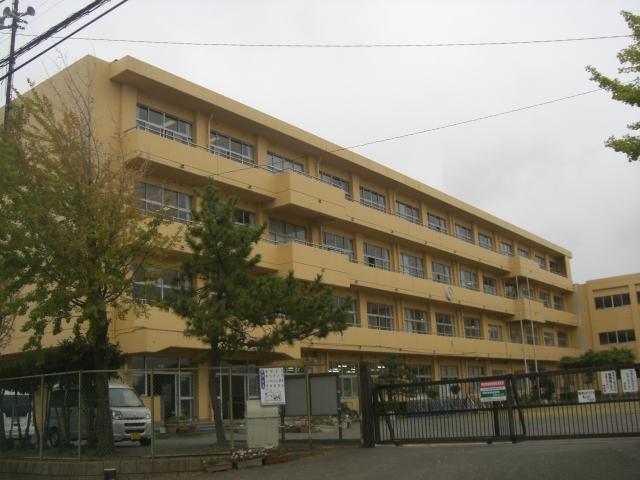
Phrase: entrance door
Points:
(176, 393)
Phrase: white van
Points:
(131, 419)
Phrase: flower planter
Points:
(271, 459)
(218, 467)
(249, 463)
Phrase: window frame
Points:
(438, 276)
(286, 164)
(463, 233)
(381, 321)
(372, 260)
(281, 238)
(472, 327)
(415, 270)
(372, 199)
(411, 213)
(437, 223)
(413, 324)
(227, 152)
(442, 326)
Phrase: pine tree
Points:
(230, 307)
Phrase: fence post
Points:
(307, 390)
(79, 415)
(42, 420)
(153, 416)
(230, 407)
(496, 420)
(512, 427)
(366, 407)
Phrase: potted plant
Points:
(248, 457)
(276, 455)
(217, 465)
(171, 424)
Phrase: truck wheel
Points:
(54, 437)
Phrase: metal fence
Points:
(589, 402)
(153, 413)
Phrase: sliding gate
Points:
(588, 402)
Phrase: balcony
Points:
(526, 267)
(536, 311)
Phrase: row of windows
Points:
(153, 198)
(611, 301)
(241, 151)
(619, 336)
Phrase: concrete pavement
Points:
(580, 459)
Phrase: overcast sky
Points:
(544, 169)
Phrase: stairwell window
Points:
(434, 222)
(372, 199)
(177, 204)
(377, 257)
(441, 273)
(277, 163)
(231, 148)
(445, 325)
(163, 124)
(416, 321)
(380, 316)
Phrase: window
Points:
(495, 333)
(563, 339)
(542, 263)
(347, 378)
(498, 371)
(336, 182)
(277, 163)
(531, 335)
(638, 296)
(434, 222)
(515, 333)
(506, 249)
(472, 328)
(554, 267)
(380, 316)
(489, 285)
(558, 302)
(407, 212)
(410, 265)
(445, 325)
(526, 293)
(372, 199)
(154, 198)
(352, 318)
(420, 373)
(338, 243)
(510, 290)
(476, 372)
(245, 217)
(416, 321)
(468, 279)
(523, 253)
(612, 301)
(161, 289)
(549, 339)
(283, 232)
(620, 336)
(441, 272)
(231, 148)
(544, 298)
(376, 256)
(485, 241)
(464, 233)
(448, 372)
(163, 124)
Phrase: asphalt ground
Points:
(580, 459)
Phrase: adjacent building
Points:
(609, 313)
(454, 290)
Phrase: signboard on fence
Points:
(609, 381)
(629, 380)
(272, 386)
(587, 396)
(493, 391)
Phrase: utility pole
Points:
(16, 17)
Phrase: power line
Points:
(346, 45)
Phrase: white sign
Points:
(609, 381)
(587, 396)
(493, 391)
(629, 380)
(272, 386)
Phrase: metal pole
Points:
(231, 407)
(42, 419)
(80, 415)
(12, 61)
(524, 350)
(533, 331)
(307, 388)
(153, 416)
